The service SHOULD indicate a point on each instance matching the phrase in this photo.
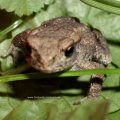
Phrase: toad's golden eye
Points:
(69, 51)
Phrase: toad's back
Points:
(59, 29)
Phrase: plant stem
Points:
(38, 75)
(103, 6)
(9, 29)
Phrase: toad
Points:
(64, 43)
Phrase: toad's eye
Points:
(69, 52)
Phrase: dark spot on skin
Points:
(69, 52)
(28, 49)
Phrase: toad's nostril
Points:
(69, 51)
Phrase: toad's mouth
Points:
(52, 66)
(56, 70)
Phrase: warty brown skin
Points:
(63, 43)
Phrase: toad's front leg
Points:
(95, 86)
(95, 82)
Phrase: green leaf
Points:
(96, 111)
(4, 46)
(6, 63)
(115, 51)
(114, 116)
(7, 103)
(111, 87)
(23, 7)
(102, 21)
(76, 8)
(56, 111)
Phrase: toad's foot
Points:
(94, 90)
